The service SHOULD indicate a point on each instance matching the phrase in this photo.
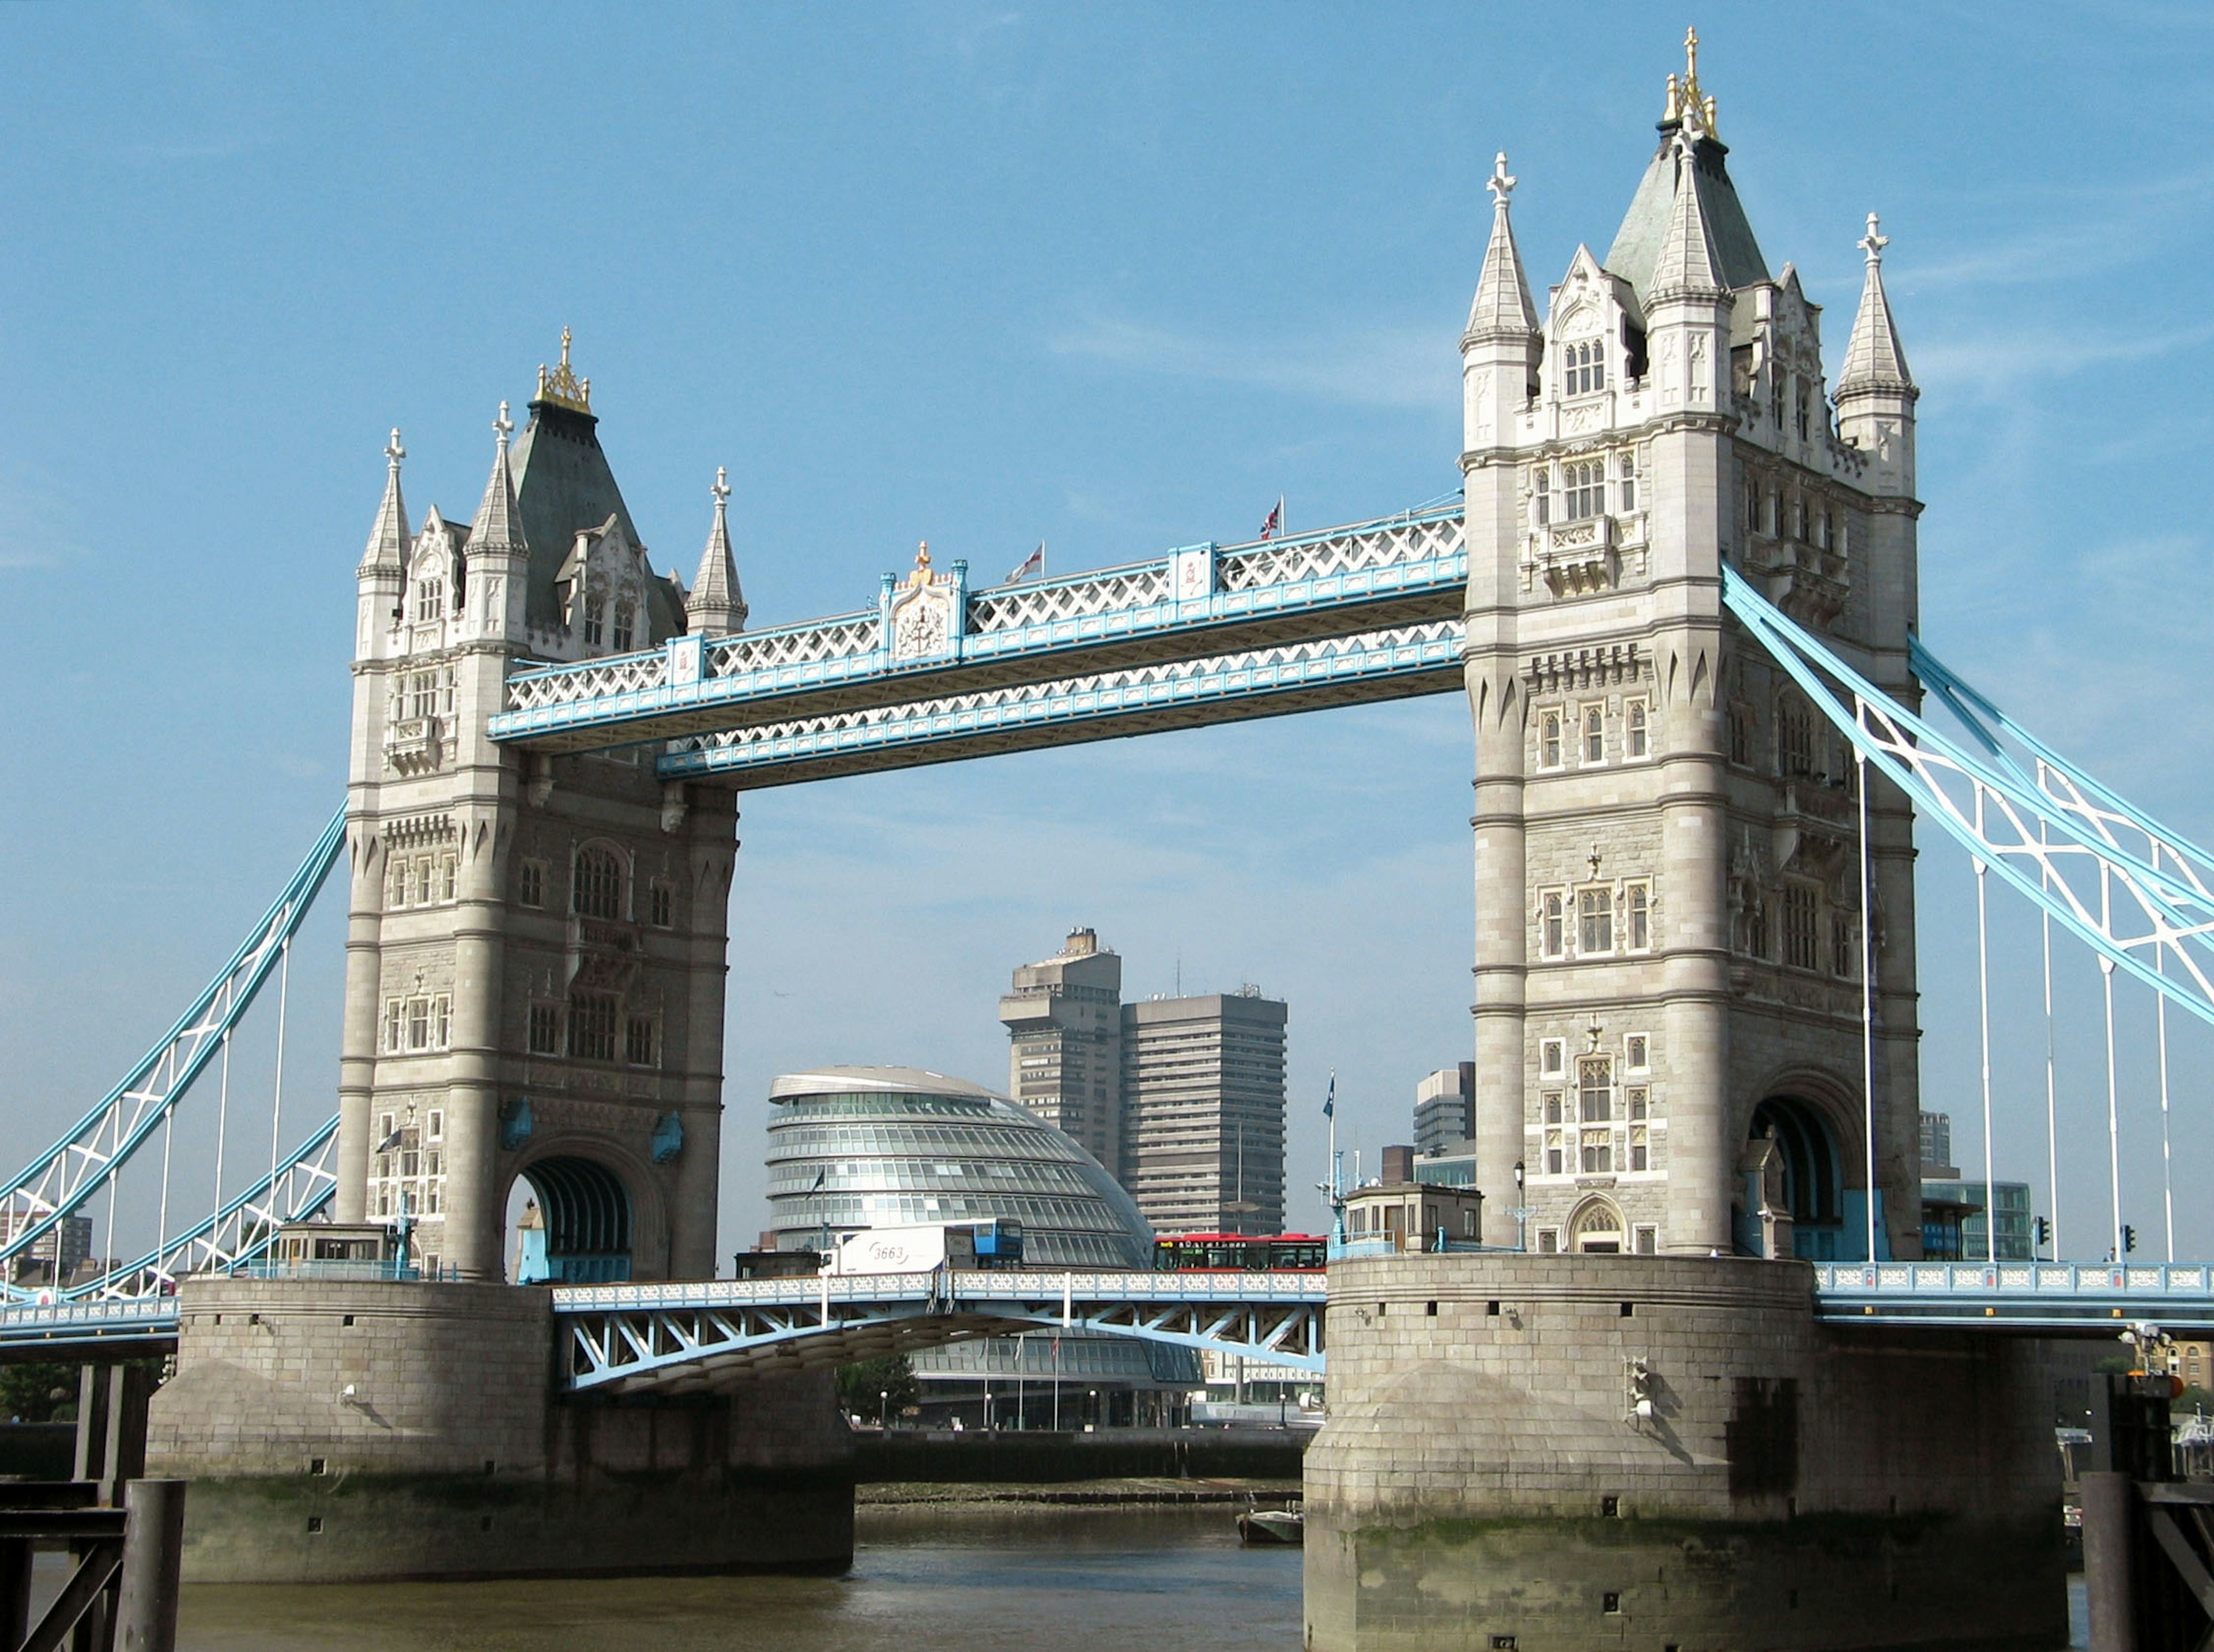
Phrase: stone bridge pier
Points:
(1555, 1454)
(338, 1432)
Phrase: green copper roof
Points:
(1637, 243)
(562, 488)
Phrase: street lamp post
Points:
(884, 1409)
(1521, 1212)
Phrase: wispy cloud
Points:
(1372, 366)
(1996, 367)
(39, 524)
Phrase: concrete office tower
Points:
(1669, 923)
(535, 950)
(1203, 1099)
(1445, 1108)
(1064, 1019)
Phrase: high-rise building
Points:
(52, 1258)
(1203, 1099)
(1182, 1099)
(1445, 1107)
(1064, 1019)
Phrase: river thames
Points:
(1169, 1581)
(1166, 1580)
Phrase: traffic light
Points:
(2044, 1232)
(2129, 1238)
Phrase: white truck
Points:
(905, 1250)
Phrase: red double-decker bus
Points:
(1247, 1253)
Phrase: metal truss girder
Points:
(1396, 571)
(2009, 824)
(72, 1170)
(679, 1338)
(1365, 668)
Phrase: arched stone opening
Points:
(1596, 1228)
(1793, 1197)
(576, 1229)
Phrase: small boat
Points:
(1258, 1526)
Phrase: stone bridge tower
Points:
(1669, 932)
(536, 944)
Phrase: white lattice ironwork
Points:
(1229, 684)
(86, 1160)
(1417, 536)
(845, 638)
(622, 673)
(1080, 596)
(2132, 890)
(629, 1339)
(1196, 602)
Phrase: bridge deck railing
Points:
(2076, 1279)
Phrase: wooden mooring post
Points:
(2148, 1536)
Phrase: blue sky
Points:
(1113, 278)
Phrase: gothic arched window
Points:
(1583, 489)
(430, 600)
(1586, 365)
(597, 890)
(625, 625)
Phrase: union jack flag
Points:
(1274, 525)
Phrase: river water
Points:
(923, 1581)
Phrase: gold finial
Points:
(921, 574)
(1686, 101)
(562, 387)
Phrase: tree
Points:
(34, 1391)
(862, 1387)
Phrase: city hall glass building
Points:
(895, 1146)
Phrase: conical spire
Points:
(1502, 303)
(388, 537)
(1874, 359)
(1688, 265)
(717, 607)
(496, 526)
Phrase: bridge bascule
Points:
(1678, 586)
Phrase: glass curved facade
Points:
(895, 1146)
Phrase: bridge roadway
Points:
(717, 1333)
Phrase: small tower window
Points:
(430, 600)
(1797, 741)
(626, 626)
(592, 1027)
(1551, 940)
(545, 1029)
(663, 905)
(1594, 734)
(1637, 733)
(530, 884)
(1584, 489)
(1549, 741)
(1586, 366)
(1800, 915)
(1541, 494)
(1595, 922)
(1626, 468)
(1741, 736)
(596, 621)
(1637, 916)
(1806, 415)
(1595, 1089)
(598, 886)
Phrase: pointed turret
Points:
(1874, 359)
(1688, 114)
(716, 606)
(498, 525)
(497, 557)
(1875, 393)
(1499, 351)
(1502, 305)
(388, 536)
(1689, 264)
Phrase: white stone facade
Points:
(535, 945)
(1668, 924)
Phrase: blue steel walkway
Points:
(673, 1337)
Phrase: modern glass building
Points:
(853, 1147)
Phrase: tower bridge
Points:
(1678, 586)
